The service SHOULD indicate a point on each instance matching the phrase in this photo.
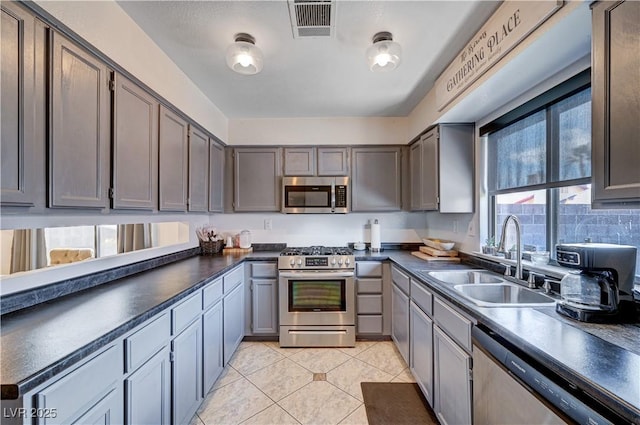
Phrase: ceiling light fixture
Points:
(384, 54)
(243, 56)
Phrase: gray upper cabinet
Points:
(135, 147)
(257, 175)
(216, 177)
(300, 161)
(615, 104)
(174, 161)
(198, 170)
(333, 161)
(79, 128)
(442, 171)
(376, 178)
(22, 94)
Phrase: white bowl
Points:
(439, 244)
(359, 246)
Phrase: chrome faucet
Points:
(501, 247)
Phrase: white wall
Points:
(108, 28)
(322, 229)
(318, 131)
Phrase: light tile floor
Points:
(268, 385)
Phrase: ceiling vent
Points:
(312, 18)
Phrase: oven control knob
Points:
(292, 262)
(347, 262)
(333, 261)
(340, 262)
(299, 261)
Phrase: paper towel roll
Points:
(375, 236)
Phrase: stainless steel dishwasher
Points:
(509, 390)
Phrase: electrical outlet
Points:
(268, 224)
(471, 230)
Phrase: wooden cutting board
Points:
(428, 257)
(237, 250)
(437, 252)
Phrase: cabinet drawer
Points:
(400, 279)
(369, 269)
(143, 344)
(453, 323)
(185, 312)
(422, 297)
(369, 324)
(232, 279)
(72, 395)
(369, 304)
(211, 294)
(369, 286)
(263, 270)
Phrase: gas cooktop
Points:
(316, 251)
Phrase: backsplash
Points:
(323, 229)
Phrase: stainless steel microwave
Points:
(304, 195)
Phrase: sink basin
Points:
(503, 295)
(466, 277)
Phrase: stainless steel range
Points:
(317, 297)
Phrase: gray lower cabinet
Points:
(22, 50)
(400, 321)
(174, 161)
(421, 343)
(198, 170)
(257, 179)
(376, 178)
(369, 298)
(212, 346)
(216, 177)
(300, 161)
(79, 128)
(615, 93)
(442, 169)
(261, 291)
(234, 311)
(135, 147)
(333, 161)
(186, 373)
(452, 386)
(148, 391)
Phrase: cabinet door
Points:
(265, 306)
(107, 411)
(299, 161)
(148, 391)
(174, 161)
(400, 321)
(415, 165)
(216, 177)
(233, 321)
(257, 175)
(376, 179)
(212, 350)
(429, 165)
(18, 142)
(615, 94)
(135, 147)
(456, 160)
(80, 127)
(186, 373)
(421, 343)
(198, 170)
(333, 161)
(452, 385)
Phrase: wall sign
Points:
(509, 25)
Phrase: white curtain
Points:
(28, 250)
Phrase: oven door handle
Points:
(317, 275)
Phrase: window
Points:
(539, 168)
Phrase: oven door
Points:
(322, 298)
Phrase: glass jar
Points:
(245, 239)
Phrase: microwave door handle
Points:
(333, 196)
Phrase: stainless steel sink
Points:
(487, 289)
(464, 277)
(503, 295)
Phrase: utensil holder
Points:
(211, 247)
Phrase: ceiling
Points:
(311, 77)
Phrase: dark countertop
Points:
(37, 343)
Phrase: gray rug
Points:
(391, 403)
